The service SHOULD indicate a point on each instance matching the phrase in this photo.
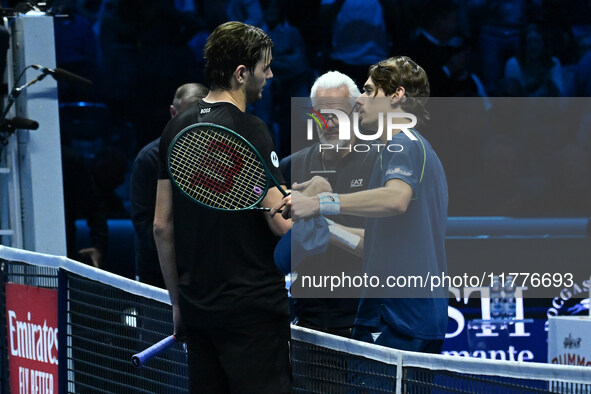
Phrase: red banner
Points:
(31, 316)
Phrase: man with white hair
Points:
(347, 170)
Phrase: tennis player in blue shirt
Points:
(406, 210)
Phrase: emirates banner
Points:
(31, 314)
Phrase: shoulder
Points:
(253, 123)
(148, 150)
(179, 122)
(147, 157)
(295, 166)
(409, 141)
(285, 167)
(255, 131)
(402, 148)
(303, 155)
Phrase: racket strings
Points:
(217, 169)
(212, 171)
(204, 184)
(252, 175)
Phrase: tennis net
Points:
(104, 319)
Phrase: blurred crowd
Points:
(138, 52)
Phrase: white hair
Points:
(333, 80)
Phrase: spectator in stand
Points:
(502, 21)
(358, 34)
(444, 53)
(539, 72)
(289, 81)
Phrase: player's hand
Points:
(285, 205)
(179, 328)
(313, 187)
(303, 206)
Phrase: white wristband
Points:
(330, 203)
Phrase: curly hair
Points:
(230, 45)
(402, 71)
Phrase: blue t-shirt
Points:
(411, 244)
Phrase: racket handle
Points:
(141, 358)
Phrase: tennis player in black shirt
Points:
(229, 300)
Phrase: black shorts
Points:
(246, 359)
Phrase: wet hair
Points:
(232, 44)
(402, 71)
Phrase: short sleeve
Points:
(266, 149)
(404, 160)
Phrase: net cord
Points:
(524, 370)
(513, 369)
(87, 271)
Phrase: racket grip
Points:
(141, 358)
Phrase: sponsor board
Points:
(528, 338)
(31, 320)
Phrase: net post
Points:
(62, 323)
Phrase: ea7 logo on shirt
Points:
(398, 171)
(357, 182)
(205, 110)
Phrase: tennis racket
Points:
(218, 168)
(143, 357)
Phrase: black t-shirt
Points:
(224, 259)
(351, 175)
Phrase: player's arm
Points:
(391, 199)
(313, 186)
(277, 223)
(164, 237)
(337, 241)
